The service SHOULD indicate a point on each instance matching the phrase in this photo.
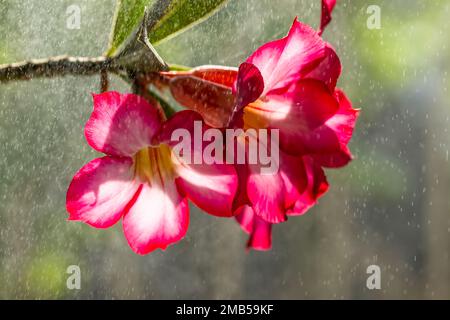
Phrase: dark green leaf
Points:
(179, 15)
(127, 17)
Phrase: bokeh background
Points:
(389, 207)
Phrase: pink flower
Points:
(299, 200)
(287, 84)
(140, 179)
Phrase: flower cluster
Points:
(287, 85)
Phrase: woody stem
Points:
(56, 66)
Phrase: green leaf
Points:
(180, 15)
(127, 17)
(167, 18)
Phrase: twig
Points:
(56, 66)
(104, 81)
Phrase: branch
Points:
(56, 66)
(138, 57)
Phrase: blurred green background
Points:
(389, 207)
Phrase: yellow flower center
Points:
(153, 163)
(254, 116)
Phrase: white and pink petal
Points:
(211, 187)
(121, 124)
(158, 218)
(267, 195)
(101, 191)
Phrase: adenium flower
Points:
(287, 84)
(140, 180)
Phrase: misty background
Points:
(389, 207)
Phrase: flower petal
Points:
(184, 119)
(101, 191)
(260, 231)
(287, 60)
(272, 194)
(241, 197)
(245, 217)
(211, 187)
(327, 9)
(249, 85)
(210, 184)
(121, 124)
(305, 105)
(328, 143)
(343, 122)
(267, 195)
(261, 237)
(317, 186)
(336, 159)
(328, 70)
(296, 112)
(158, 218)
(293, 173)
(341, 125)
